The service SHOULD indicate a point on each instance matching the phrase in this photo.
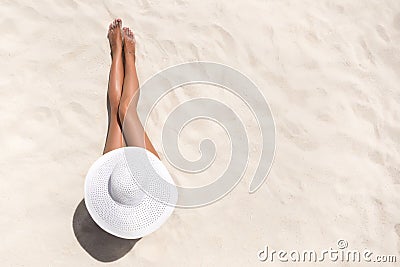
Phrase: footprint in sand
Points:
(394, 172)
(367, 51)
(225, 35)
(41, 113)
(396, 22)
(382, 33)
(397, 230)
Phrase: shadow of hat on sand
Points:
(98, 243)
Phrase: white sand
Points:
(330, 70)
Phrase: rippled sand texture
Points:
(329, 69)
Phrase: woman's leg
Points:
(133, 129)
(114, 137)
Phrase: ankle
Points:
(116, 53)
(130, 57)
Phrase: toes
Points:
(128, 33)
(113, 25)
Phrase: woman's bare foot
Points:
(129, 43)
(117, 71)
(130, 92)
(115, 37)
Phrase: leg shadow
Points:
(99, 244)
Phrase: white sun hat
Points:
(129, 192)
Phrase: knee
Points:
(122, 111)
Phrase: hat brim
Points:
(128, 222)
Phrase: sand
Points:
(329, 69)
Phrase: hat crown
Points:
(123, 186)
